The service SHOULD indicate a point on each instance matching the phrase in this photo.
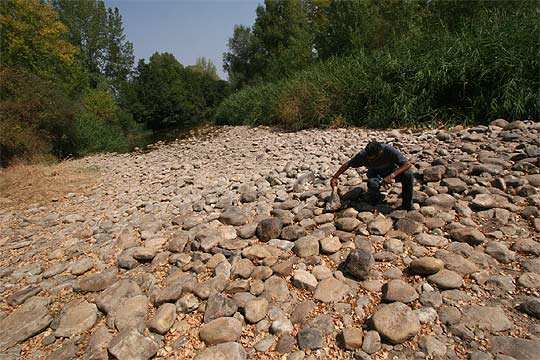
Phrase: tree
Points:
(37, 117)
(282, 29)
(32, 37)
(164, 94)
(351, 25)
(280, 42)
(205, 66)
(160, 97)
(240, 62)
(98, 33)
(119, 56)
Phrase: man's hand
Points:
(388, 180)
(334, 182)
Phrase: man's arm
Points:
(334, 181)
(390, 178)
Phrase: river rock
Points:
(306, 246)
(132, 314)
(81, 266)
(522, 349)
(398, 290)
(131, 344)
(219, 306)
(486, 318)
(116, 294)
(310, 339)
(255, 310)
(304, 280)
(221, 330)
(432, 346)
(468, 235)
(29, 319)
(76, 318)
(330, 245)
(442, 202)
(358, 264)
(426, 265)
(395, 322)
(233, 216)
(380, 226)
(163, 319)
(97, 344)
(225, 351)
(97, 282)
(529, 280)
(531, 307)
(446, 279)
(269, 229)
(330, 290)
(276, 289)
(352, 338)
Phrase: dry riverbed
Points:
(219, 247)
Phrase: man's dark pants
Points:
(375, 179)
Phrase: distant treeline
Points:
(384, 63)
(68, 86)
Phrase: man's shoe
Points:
(405, 208)
(375, 199)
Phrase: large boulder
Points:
(441, 202)
(26, 321)
(269, 229)
(330, 290)
(396, 322)
(76, 318)
(131, 344)
(358, 264)
(489, 318)
(222, 330)
(225, 351)
(517, 348)
(469, 235)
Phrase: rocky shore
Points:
(220, 247)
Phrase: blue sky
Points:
(186, 28)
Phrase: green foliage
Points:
(64, 64)
(32, 37)
(488, 69)
(95, 135)
(36, 117)
(205, 66)
(240, 62)
(164, 94)
(100, 103)
(279, 44)
(284, 37)
(98, 34)
(252, 106)
(350, 25)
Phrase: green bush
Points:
(487, 69)
(252, 106)
(95, 135)
(36, 117)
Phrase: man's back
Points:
(389, 155)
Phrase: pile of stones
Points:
(220, 247)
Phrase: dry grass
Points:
(21, 185)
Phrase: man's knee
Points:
(373, 184)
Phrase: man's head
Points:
(373, 150)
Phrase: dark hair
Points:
(373, 149)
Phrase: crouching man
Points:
(385, 164)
